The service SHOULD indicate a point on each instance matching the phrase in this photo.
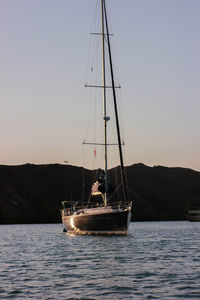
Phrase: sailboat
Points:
(102, 215)
(194, 214)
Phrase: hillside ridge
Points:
(32, 193)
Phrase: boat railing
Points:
(67, 211)
(194, 208)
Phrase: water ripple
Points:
(157, 260)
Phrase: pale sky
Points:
(43, 66)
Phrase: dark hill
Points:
(33, 193)
(163, 193)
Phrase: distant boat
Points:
(194, 214)
(102, 214)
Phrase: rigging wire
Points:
(94, 99)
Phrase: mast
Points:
(105, 118)
(115, 107)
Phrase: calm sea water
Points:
(157, 260)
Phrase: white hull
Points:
(194, 214)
